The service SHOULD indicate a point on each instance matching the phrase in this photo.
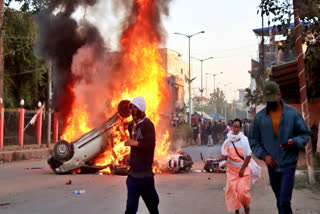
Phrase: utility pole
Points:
(189, 81)
(189, 78)
(303, 88)
(235, 111)
(225, 103)
(1, 49)
(49, 104)
(234, 106)
(214, 92)
(201, 87)
(225, 110)
(206, 88)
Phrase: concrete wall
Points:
(173, 65)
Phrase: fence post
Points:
(21, 123)
(39, 125)
(1, 124)
(55, 128)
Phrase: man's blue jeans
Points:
(145, 188)
(282, 182)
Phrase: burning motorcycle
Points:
(180, 162)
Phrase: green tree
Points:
(253, 98)
(196, 103)
(312, 67)
(207, 108)
(29, 5)
(218, 98)
(282, 13)
(222, 105)
(25, 76)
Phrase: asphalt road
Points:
(40, 191)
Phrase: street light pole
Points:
(207, 89)
(225, 111)
(201, 87)
(235, 105)
(189, 79)
(214, 91)
(225, 103)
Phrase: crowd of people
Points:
(207, 133)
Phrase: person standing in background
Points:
(209, 132)
(195, 132)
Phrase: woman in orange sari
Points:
(236, 150)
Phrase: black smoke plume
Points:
(58, 39)
(74, 48)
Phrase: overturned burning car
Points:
(80, 153)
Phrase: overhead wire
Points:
(233, 49)
(17, 37)
(14, 51)
(25, 72)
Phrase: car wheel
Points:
(123, 108)
(63, 151)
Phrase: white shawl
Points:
(254, 167)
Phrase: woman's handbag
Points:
(254, 167)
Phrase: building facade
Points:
(178, 74)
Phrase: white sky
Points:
(228, 38)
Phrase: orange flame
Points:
(147, 78)
(78, 123)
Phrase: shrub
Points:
(182, 132)
(187, 130)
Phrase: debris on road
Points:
(78, 192)
(69, 182)
(1, 162)
(31, 168)
(120, 170)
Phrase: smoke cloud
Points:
(58, 39)
(82, 64)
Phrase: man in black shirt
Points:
(214, 132)
(140, 181)
(195, 128)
